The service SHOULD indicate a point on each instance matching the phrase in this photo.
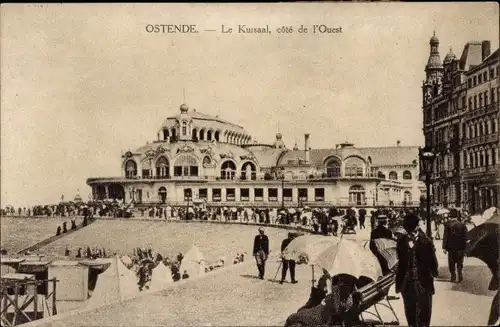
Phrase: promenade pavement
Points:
(236, 297)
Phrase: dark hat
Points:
(411, 221)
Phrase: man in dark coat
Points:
(362, 218)
(454, 243)
(415, 274)
(261, 251)
(287, 263)
(381, 231)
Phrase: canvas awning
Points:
(18, 276)
(7, 261)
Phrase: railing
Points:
(493, 137)
(286, 204)
(482, 170)
(483, 110)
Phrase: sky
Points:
(82, 83)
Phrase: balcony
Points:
(492, 169)
(492, 107)
(488, 138)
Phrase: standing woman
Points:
(417, 268)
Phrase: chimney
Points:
(485, 49)
(306, 145)
(398, 142)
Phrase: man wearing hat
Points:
(381, 231)
(261, 251)
(287, 263)
(415, 274)
(454, 243)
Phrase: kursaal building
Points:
(199, 159)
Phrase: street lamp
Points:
(282, 188)
(426, 157)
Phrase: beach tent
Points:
(194, 262)
(161, 277)
(73, 279)
(115, 284)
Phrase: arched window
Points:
(393, 175)
(289, 175)
(184, 128)
(406, 174)
(217, 136)
(357, 195)
(407, 197)
(381, 175)
(162, 167)
(130, 169)
(194, 135)
(162, 194)
(166, 134)
(354, 167)
(209, 135)
(185, 165)
(248, 171)
(146, 168)
(202, 134)
(227, 170)
(332, 167)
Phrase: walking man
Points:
(261, 251)
(287, 263)
(415, 273)
(454, 242)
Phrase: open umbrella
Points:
(350, 258)
(291, 210)
(443, 211)
(483, 243)
(386, 252)
(234, 209)
(488, 213)
(307, 248)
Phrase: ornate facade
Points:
(203, 159)
(461, 125)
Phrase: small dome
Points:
(184, 108)
(279, 136)
(434, 39)
(450, 56)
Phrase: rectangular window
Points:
(480, 79)
(259, 194)
(359, 172)
(480, 100)
(193, 171)
(485, 98)
(302, 194)
(203, 194)
(287, 194)
(492, 73)
(216, 195)
(244, 194)
(475, 102)
(188, 194)
(485, 76)
(273, 194)
(319, 194)
(230, 194)
(492, 96)
(145, 173)
(177, 170)
(475, 81)
(470, 83)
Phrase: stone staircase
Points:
(54, 238)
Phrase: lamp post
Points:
(282, 188)
(427, 156)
